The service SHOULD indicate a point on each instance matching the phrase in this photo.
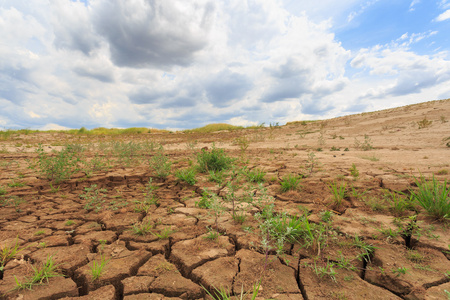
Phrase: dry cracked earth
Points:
(157, 241)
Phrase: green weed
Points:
(160, 164)
(290, 182)
(187, 175)
(434, 197)
(339, 192)
(40, 274)
(97, 268)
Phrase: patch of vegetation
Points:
(354, 171)
(424, 123)
(142, 228)
(433, 196)
(339, 192)
(223, 294)
(214, 160)
(59, 166)
(95, 198)
(365, 145)
(187, 175)
(8, 253)
(255, 175)
(290, 182)
(160, 164)
(40, 274)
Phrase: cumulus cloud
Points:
(182, 64)
(226, 86)
(153, 33)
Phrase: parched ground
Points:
(157, 241)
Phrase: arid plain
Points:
(325, 209)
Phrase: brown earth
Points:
(164, 249)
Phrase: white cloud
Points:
(181, 64)
(444, 16)
(413, 3)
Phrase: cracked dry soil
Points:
(175, 259)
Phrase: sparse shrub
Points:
(217, 176)
(366, 145)
(354, 171)
(94, 196)
(256, 175)
(60, 166)
(215, 160)
(311, 163)
(187, 175)
(160, 164)
(424, 123)
(243, 142)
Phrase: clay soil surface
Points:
(168, 239)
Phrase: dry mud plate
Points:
(310, 210)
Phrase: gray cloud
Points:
(98, 74)
(226, 86)
(72, 27)
(153, 33)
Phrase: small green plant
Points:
(344, 263)
(164, 234)
(366, 145)
(69, 223)
(160, 164)
(326, 216)
(398, 202)
(14, 184)
(187, 175)
(94, 196)
(239, 217)
(424, 123)
(354, 171)
(256, 175)
(399, 271)
(243, 142)
(312, 163)
(415, 256)
(212, 235)
(39, 232)
(290, 182)
(214, 160)
(60, 166)
(367, 250)
(222, 293)
(142, 228)
(2, 190)
(40, 274)
(327, 270)
(217, 176)
(205, 201)
(339, 192)
(97, 268)
(434, 197)
(8, 253)
(442, 172)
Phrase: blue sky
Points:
(183, 64)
